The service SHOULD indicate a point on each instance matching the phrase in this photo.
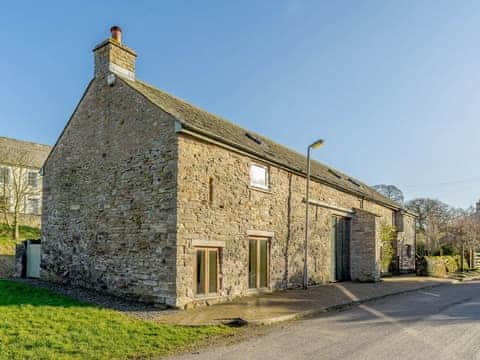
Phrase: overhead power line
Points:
(445, 183)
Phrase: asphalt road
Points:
(440, 323)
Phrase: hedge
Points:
(440, 266)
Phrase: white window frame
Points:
(7, 177)
(30, 207)
(35, 174)
(267, 176)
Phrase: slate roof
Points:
(13, 151)
(222, 130)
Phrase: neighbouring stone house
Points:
(149, 197)
(21, 181)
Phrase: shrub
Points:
(421, 250)
(387, 235)
(434, 266)
(451, 263)
(448, 250)
(440, 266)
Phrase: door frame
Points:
(207, 271)
(257, 239)
(347, 234)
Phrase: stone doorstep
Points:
(239, 321)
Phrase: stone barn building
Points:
(149, 197)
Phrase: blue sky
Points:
(392, 86)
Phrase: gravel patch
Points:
(136, 309)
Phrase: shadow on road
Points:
(443, 305)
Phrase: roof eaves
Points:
(300, 171)
(380, 200)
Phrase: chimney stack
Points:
(113, 57)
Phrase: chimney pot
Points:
(111, 56)
(116, 33)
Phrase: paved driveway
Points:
(267, 308)
(440, 323)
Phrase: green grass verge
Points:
(37, 324)
(26, 232)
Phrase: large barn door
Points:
(340, 248)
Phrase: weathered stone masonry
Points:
(237, 208)
(137, 182)
(365, 246)
(110, 197)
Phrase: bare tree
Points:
(390, 191)
(16, 188)
(464, 233)
(434, 218)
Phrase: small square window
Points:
(4, 203)
(398, 220)
(4, 175)
(259, 176)
(32, 179)
(34, 206)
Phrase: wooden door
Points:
(258, 263)
(340, 248)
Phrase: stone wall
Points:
(407, 238)
(109, 197)
(216, 204)
(365, 246)
(111, 53)
(20, 260)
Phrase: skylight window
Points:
(334, 174)
(253, 138)
(354, 182)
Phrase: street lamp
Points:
(317, 144)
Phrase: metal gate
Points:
(476, 259)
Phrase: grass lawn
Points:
(7, 246)
(26, 232)
(34, 323)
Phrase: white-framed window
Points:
(32, 179)
(259, 176)
(4, 175)
(4, 203)
(398, 220)
(34, 206)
